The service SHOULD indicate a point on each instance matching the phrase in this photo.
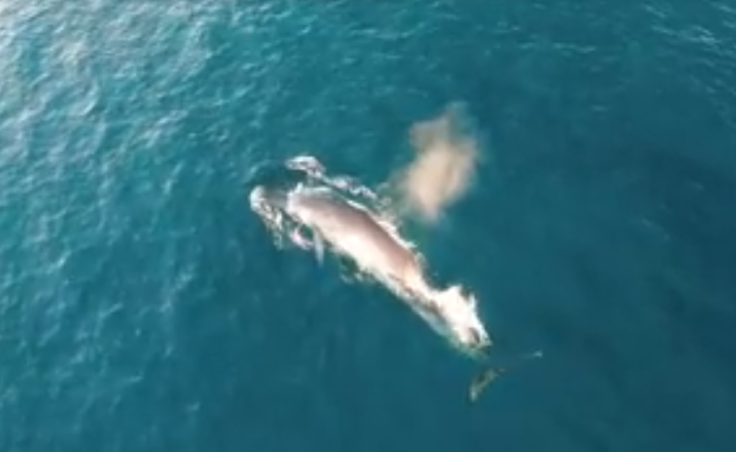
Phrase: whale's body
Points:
(353, 231)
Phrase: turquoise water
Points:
(143, 306)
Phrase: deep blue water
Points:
(143, 306)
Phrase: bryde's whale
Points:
(351, 230)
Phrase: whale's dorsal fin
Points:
(319, 247)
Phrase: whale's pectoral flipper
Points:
(319, 247)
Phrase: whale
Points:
(328, 221)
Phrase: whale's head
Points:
(297, 203)
(461, 322)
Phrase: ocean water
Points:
(143, 307)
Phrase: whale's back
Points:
(353, 230)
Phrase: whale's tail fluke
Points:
(488, 376)
(482, 380)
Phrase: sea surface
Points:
(144, 307)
